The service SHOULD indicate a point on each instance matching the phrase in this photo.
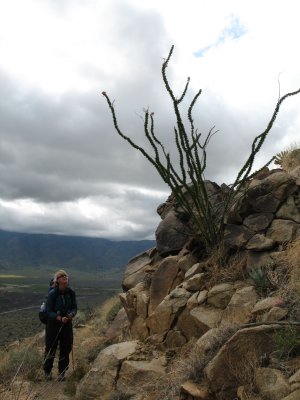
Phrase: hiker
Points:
(61, 308)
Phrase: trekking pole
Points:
(73, 364)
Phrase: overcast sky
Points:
(63, 169)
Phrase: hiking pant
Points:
(57, 332)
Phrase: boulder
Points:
(195, 269)
(289, 210)
(195, 283)
(99, 382)
(162, 281)
(186, 262)
(142, 301)
(275, 314)
(197, 299)
(236, 236)
(202, 296)
(282, 230)
(295, 174)
(239, 354)
(264, 304)
(136, 269)
(129, 301)
(267, 203)
(240, 306)
(192, 301)
(163, 316)
(135, 375)
(206, 317)
(293, 396)
(117, 327)
(260, 243)
(188, 326)
(163, 209)
(171, 234)
(280, 183)
(271, 383)
(220, 295)
(258, 222)
(139, 329)
(195, 391)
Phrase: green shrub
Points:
(93, 353)
(112, 313)
(260, 280)
(287, 342)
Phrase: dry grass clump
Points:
(291, 290)
(245, 376)
(81, 319)
(113, 311)
(25, 362)
(224, 268)
(291, 160)
(100, 313)
(292, 259)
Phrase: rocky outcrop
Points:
(172, 299)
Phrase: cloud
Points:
(233, 31)
(64, 169)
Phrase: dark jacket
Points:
(61, 303)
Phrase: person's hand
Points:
(64, 320)
(70, 317)
(58, 318)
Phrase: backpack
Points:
(43, 313)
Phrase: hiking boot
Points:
(61, 377)
(48, 376)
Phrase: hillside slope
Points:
(21, 250)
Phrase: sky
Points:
(63, 168)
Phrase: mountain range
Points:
(23, 250)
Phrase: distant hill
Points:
(23, 250)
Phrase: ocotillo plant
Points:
(187, 181)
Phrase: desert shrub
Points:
(113, 311)
(93, 353)
(287, 342)
(261, 280)
(25, 362)
(186, 178)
